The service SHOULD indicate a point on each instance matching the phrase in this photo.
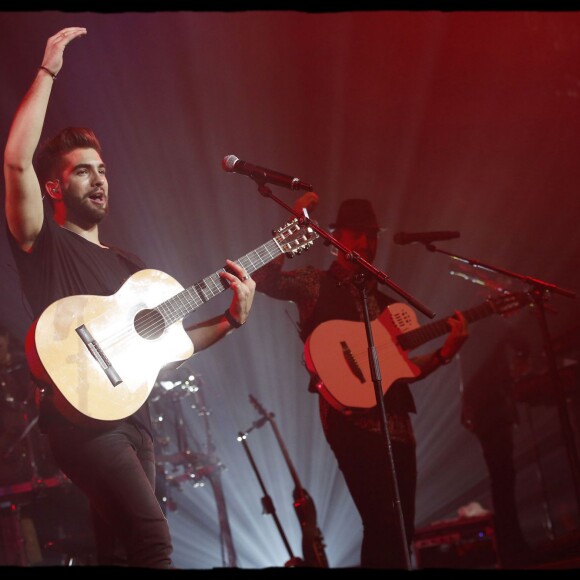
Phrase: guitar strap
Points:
(333, 296)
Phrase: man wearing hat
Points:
(354, 434)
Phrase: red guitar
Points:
(337, 350)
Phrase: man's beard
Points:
(85, 212)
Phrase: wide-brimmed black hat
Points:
(356, 213)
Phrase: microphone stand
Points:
(267, 503)
(538, 291)
(360, 280)
(383, 278)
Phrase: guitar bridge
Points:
(351, 362)
(99, 355)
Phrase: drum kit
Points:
(36, 498)
(185, 452)
(29, 478)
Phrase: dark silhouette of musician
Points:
(489, 411)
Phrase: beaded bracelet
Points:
(233, 322)
(42, 67)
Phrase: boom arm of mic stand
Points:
(539, 288)
(527, 279)
(353, 256)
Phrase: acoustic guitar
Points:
(337, 350)
(103, 353)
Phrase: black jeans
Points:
(363, 459)
(115, 469)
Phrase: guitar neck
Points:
(187, 301)
(418, 336)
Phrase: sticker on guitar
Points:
(337, 350)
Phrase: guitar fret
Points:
(216, 284)
(182, 302)
(246, 264)
(173, 308)
(194, 296)
(166, 312)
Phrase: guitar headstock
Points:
(294, 238)
(509, 303)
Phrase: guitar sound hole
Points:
(149, 324)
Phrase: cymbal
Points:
(186, 458)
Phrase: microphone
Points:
(403, 238)
(232, 164)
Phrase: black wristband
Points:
(42, 67)
(442, 360)
(233, 322)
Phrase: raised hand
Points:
(53, 54)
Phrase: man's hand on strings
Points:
(244, 288)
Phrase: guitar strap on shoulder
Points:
(333, 297)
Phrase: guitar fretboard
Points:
(185, 302)
(418, 336)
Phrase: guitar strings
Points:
(175, 308)
(264, 255)
(408, 340)
(179, 305)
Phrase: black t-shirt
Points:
(63, 264)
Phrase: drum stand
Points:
(197, 466)
(18, 540)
